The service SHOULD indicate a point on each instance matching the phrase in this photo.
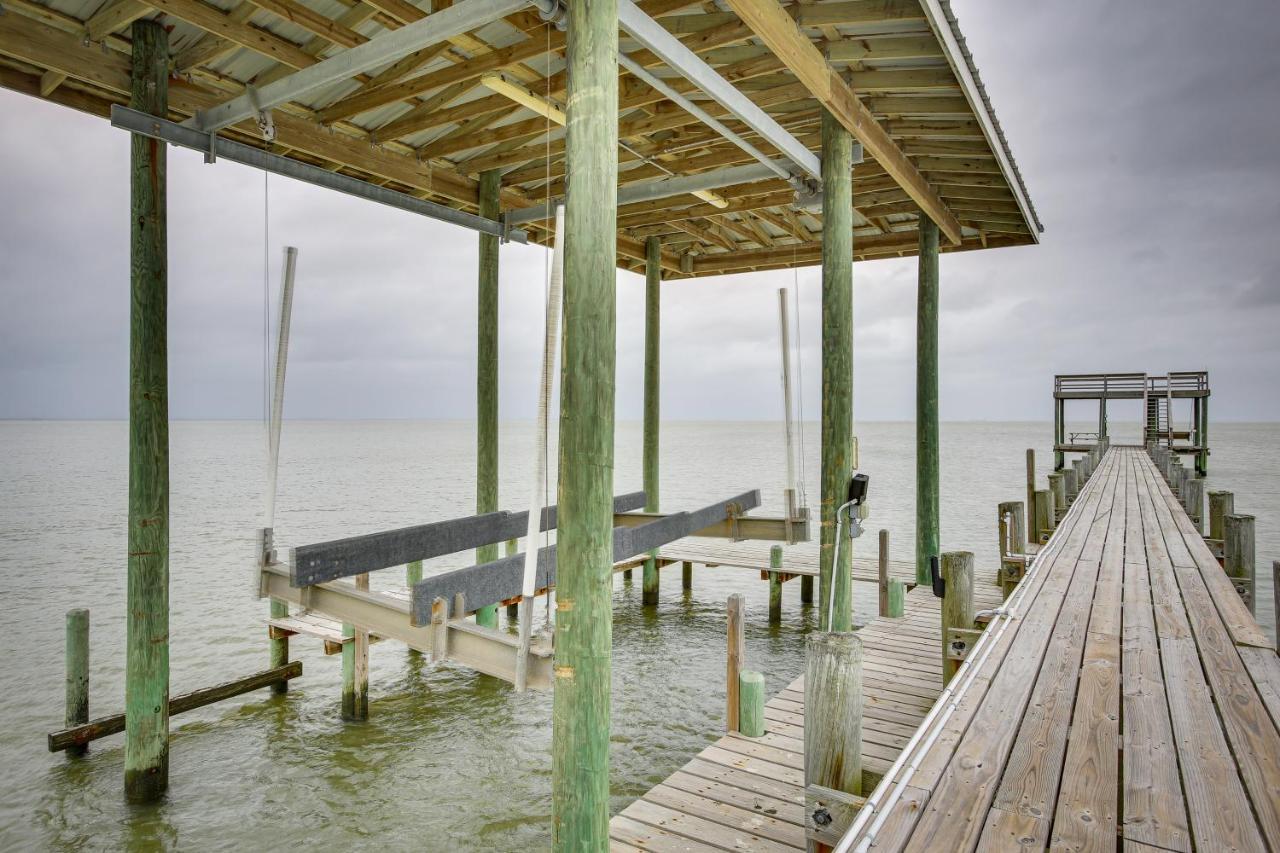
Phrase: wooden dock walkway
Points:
(1129, 700)
(745, 793)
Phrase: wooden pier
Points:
(1125, 697)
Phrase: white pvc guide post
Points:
(277, 386)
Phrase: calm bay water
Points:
(448, 759)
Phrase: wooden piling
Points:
(1077, 465)
(1193, 500)
(1202, 458)
(439, 631)
(1033, 532)
(775, 585)
(833, 722)
(278, 648)
(1011, 543)
(686, 575)
(490, 191)
(1221, 504)
(1238, 556)
(957, 608)
(77, 672)
(584, 608)
(513, 609)
(751, 704)
(652, 359)
(883, 573)
(146, 747)
(897, 598)
(927, 484)
(1043, 513)
(1070, 487)
(735, 659)
(806, 589)
(1059, 492)
(413, 573)
(837, 367)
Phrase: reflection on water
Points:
(448, 759)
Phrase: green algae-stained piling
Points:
(775, 585)
(882, 566)
(927, 485)
(751, 700)
(77, 672)
(652, 380)
(584, 618)
(837, 366)
(489, 191)
(146, 749)
(278, 654)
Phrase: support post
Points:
(1221, 504)
(806, 589)
(77, 670)
(652, 358)
(1033, 532)
(1238, 556)
(1043, 514)
(1059, 432)
(513, 609)
(897, 598)
(883, 574)
(1102, 419)
(833, 725)
(490, 191)
(957, 610)
(1011, 543)
(1070, 486)
(584, 612)
(1202, 458)
(1195, 502)
(686, 575)
(146, 745)
(837, 367)
(1059, 492)
(751, 704)
(927, 486)
(775, 585)
(735, 660)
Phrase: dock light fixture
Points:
(503, 85)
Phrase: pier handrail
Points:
(931, 727)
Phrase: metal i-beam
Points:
(500, 580)
(456, 20)
(660, 188)
(670, 50)
(237, 152)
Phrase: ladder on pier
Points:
(1157, 417)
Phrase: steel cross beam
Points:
(454, 21)
(237, 152)
(672, 51)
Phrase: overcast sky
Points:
(1148, 133)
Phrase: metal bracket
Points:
(960, 641)
(935, 575)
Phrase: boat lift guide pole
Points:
(584, 615)
(146, 690)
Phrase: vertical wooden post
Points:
(897, 598)
(1102, 419)
(927, 486)
(439, 630)
(1058, 490)
(1033, 532)
(1202, 458)
(1221, 504)
(775, 585)
(1059, 432)
(77, 673)
(1238, 556)
(957, 605)
(1011, 542)
(146, 745)
(1195, 503)
(833, 721)
(1043, 514)
(806, 589)
(652, 359)
(883, 573)
(490, 191)
(751, 704)
(735, 660)
(837, 365)
(412, 573)
(584, 615)
(686, 575)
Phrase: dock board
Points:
(1128, 703)
(745, 793)
(800, 560)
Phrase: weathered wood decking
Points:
(799, 560)
(748, 793)
(1130, 701)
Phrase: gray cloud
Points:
(1145, 132)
